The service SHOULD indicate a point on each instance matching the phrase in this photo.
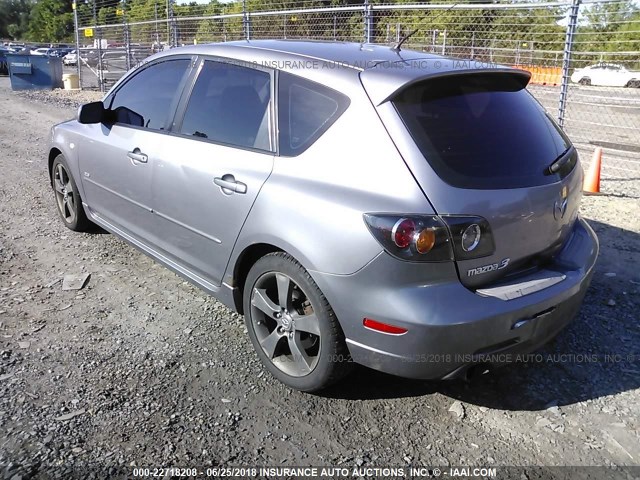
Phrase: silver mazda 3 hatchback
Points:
(413, 213)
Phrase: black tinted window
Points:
(482, 131)
(305, 111)
(230, 104)
(147, 98)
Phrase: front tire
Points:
(68, 201)
(585, 81)
(292, 326)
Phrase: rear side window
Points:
(306, 110)
(483, 131)
(230, 104)
(148, 98)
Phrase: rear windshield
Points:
(483, 131)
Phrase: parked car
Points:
(606, 75)
(70, 58)
(61, 51)
(49, 52)
(353, 202)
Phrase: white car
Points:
(606, 75)
(43, 51)
(70, 58)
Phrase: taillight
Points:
(403, 232)
(471, 236)
(432, 238)
(422, 238)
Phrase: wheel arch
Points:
(53, 153)
(245, 260)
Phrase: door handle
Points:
(229, 185)
(137, 156)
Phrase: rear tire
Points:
(633, 84)
(68, 201)
(585, 81)
(292, 326)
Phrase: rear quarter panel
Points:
(311, 206)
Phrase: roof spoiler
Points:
(382, 84)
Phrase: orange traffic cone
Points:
(592, 178)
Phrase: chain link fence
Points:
(584, 55)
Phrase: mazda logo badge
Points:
(559, 209)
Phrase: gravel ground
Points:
(139, 368)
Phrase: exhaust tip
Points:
(477, 371)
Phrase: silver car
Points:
(409, 212)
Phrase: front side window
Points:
(230, 104)
(306, 110)
(147, 99)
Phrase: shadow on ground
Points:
(597, 355)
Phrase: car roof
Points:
(358, 56)
(383, 70)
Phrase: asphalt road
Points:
(607, 117)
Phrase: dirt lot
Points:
(140, 368)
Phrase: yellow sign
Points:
(119, 11)
(88, 32)
(73, 5)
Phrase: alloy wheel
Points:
(65, 194)
(285, 324)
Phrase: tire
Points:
(633, 84)
(321, 357)
(585, 81)
(68, 201)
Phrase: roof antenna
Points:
(396, 47)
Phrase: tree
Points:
(51, 21)
(14, 18)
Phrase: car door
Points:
(615, 76)
(598, 75)
(209, 175)
(117, 159)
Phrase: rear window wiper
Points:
(558, 163)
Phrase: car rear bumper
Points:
(450, 328)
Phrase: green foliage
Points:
(14, 18)
(51, 21)
(609, 32)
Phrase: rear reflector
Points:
(383, 327)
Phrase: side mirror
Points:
(93, 112)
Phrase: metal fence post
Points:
(127, 44)
(444, 42)
(127, 35)
(78, 61)
(246, 21)
(566, 60)
(368, 22)
(174, 25)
